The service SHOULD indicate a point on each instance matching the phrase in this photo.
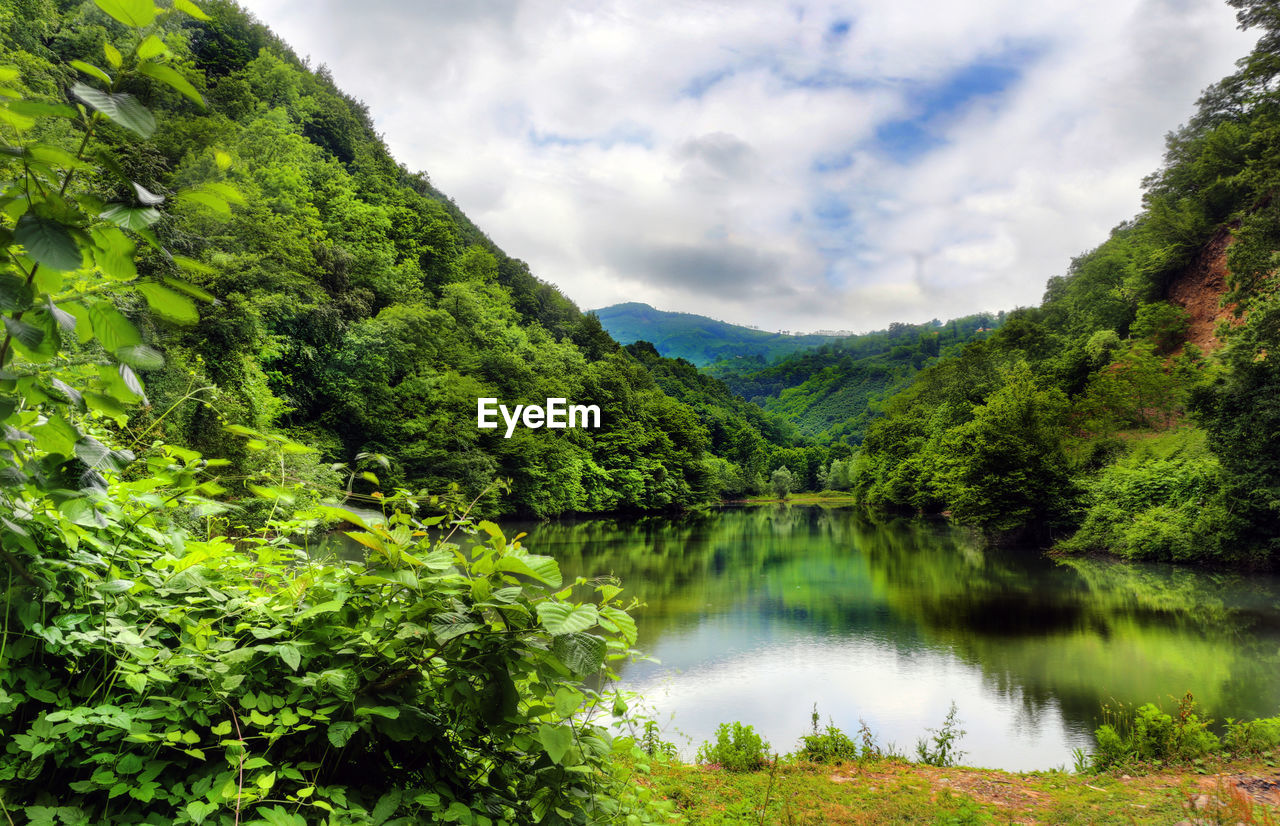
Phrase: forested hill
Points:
(699, 339)
(1091, 420)
(359, 310)
(831, 393)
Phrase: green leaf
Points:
(340, 733)
(134, 218)
(15, 293)
(187, 7)
(290, 654)
(626, 624)
(557, 740)
(92, 71)
(121, 107)
(84, 325)
(192, 265)
(151, 47)
(198, 810)
(169, 305)
(565, 618)
(112, 328)
(131, 383)
(105, 404)
(113, 253)
(37, 109)
(116, 586)
(18, 121)
(170, 77)
(542, 568)
(445, 626)
(582, 653)
(56, 435)
(48, 242)
(135, 13)
(140, 357)
(568, 700)
(206, 199)
(113, 55)
(28, 335)
(192, 290)
(386, 806)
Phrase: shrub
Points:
(829, 745)
(1149, 735)
(737, 748)
(939, 749)
(1252, 737)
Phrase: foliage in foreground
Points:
(153, 670)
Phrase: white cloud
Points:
(721, 157)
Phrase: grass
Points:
(895, 791)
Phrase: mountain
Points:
(699, 339)
(356, 309)
(831, 392)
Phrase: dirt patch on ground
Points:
(1199, 288)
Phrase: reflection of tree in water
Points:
(1073, 634)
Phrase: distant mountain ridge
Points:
(698, 339)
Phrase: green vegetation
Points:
(737, 748)
(830, 393)
(154, 669)
(698, 339)
(1148, 737)
(832, 779)
(357, 309)
(1092, 411)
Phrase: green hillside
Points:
(357, 308)
(696, 338)
(1092, 420)
(830, 393)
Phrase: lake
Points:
(758, 613)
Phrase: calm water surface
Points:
(756, 614)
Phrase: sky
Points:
(790, 165)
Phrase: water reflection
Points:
(758, 613)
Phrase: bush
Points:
(737, 748)
(1252, 737)
(829, 745)
(939, 749)
(1149, 735)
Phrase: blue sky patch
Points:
(933, 105)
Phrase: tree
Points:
(780, 481)
(1005, 471)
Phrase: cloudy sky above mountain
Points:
(792, 165)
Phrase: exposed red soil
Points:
(1199, 288)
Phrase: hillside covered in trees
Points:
(1092, 420)
(831, 392)
(699, 339)
(359, 311)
